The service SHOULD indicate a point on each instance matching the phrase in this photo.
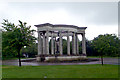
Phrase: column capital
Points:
(47, 30)
(68, 31)
(73, 32)
(40, 33)
(82, 34)
(51, 31)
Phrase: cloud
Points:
(100, 17)
(95, 13)
(95, 30)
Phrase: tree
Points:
(64, 46)
(7, 52)
(89, 48)
(31, 50)
(19, 36)
(108, 45)
(0, 42)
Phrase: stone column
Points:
(39, 44)
(52, 44)
(55, 49)
(44, 50)
(47, 42)
(68, 44)
(60, 43)
(74, 43)
(83, 44)
(77, 45)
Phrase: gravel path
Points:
(113, 61)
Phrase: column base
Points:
(73, 54)
(40, 58)
(83, 54)
(52, 54)
(68, 54)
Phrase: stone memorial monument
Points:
(47, 31)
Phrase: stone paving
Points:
(33, 62)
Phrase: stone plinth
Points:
(62, 58)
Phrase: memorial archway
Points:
(49, 30)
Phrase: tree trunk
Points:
(19, 57)
(102, 60)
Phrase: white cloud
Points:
(81, 15)
(95, 30)
(55, 17)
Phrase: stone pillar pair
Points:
(75, 44)
(60, 44)
(39, 44)
(43, 43)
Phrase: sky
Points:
(98, 17)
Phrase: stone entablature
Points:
(63, 28)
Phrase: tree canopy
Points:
(20, 35)
(16, 36)
(107, 44)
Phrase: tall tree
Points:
(107, 44)
(19, 36)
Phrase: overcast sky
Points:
(98, 17)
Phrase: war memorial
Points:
(54, 33)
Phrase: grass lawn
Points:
(61, 71)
